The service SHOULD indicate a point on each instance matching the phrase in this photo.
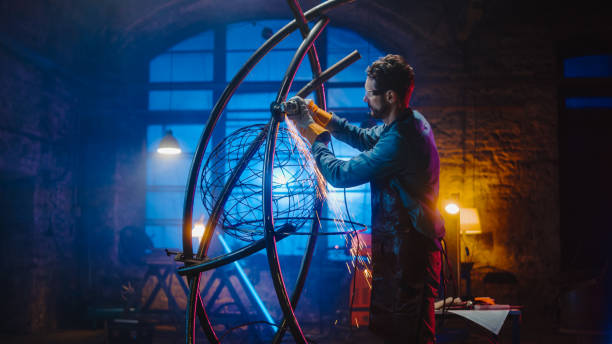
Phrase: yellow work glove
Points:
(304, 121)
(320, 116)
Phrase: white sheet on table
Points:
(492, 320)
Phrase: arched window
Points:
(186, 80)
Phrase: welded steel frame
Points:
(193, 270)
(272, 252)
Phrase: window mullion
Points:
(219, 77)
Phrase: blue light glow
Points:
(180, 100)
(250, 287)
(191, 62)
(593, 66)
(588, 102)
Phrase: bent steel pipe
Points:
(272, 253)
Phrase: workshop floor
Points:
(358, 336)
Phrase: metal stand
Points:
(194, 265)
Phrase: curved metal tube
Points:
(329, 73)
(227, 190)
(196, 301)
(272, 253)
(233, 256)
(199, 155)
(210, 227)
(301, 280)
(319, 80)
(315, 66)
(297, 59)
(313, 56)
(222, 103)
(219, 205)
(306, 260)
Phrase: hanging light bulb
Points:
(169, 145)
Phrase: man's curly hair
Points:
(393, 73)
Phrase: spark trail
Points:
(358, 249)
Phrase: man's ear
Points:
(391, 96)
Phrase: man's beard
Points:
(380, 113)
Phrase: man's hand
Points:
(299, 114)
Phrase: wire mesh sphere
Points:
(293, 182)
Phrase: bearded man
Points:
(400, 161)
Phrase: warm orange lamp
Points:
(469, 221)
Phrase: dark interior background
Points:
(491, 79)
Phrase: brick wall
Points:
(38, 167)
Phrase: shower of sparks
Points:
(307, 161)
(358, 248)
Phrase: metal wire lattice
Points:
(293, 188)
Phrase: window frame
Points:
(218, 84)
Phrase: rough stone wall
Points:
(497, 133)
(112, 196)
(486, 79)
(38, 169)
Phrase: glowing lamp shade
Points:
(469, 221)
(452, 208)
(198, 230)
(169, 145)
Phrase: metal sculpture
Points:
(293, 190)
(272, 232)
